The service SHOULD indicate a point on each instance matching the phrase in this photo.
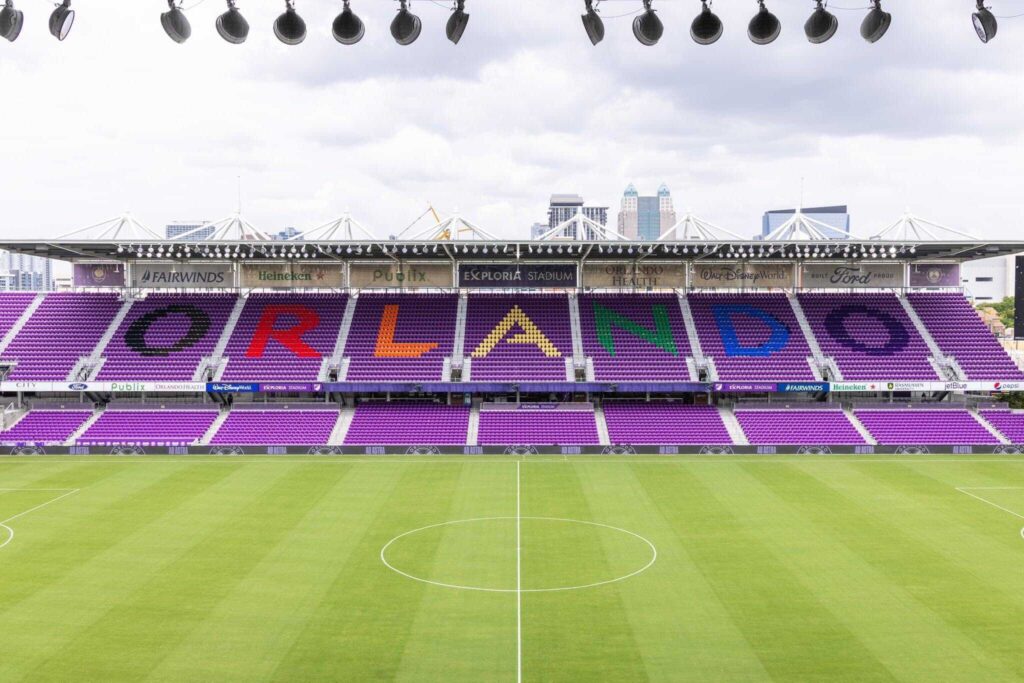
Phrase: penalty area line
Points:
(966, 490)
(10, 531)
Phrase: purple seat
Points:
(164, 337)
(635, 337)
(12, 305)
(1009, 423)
(271, 352)
(518, 353)
(148, 427)
(66, 327)
(911, 427)
(45, 427)
(664, 423)
(537, 427)
(276, 428)
(798, 427)
(959, 331)
(381, 424)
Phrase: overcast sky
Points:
(118, 117)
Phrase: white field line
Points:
(10, 531)
(967, 490)
(519, 582)
(552, 459)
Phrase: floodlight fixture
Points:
(175, 23)
(457, 22)
(290, 28)
(876, 23)
(647, 27)
(406, 26)
(985, 23)
(707, 27)
(592, 23)
(765, 27)
(232, 26)
(821, 25)
(61, 20)
(348, 29)
(11, 21)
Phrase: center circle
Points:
(551, 554)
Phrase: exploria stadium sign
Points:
(518, 276)
(183, 275)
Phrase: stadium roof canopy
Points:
(511, 250)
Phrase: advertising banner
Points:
(855, 276)
(935, 275)
(517, 276)
(634, 275)
(293, 275)
(404, 274)
(103, 387)
(182, 275)
(743, 275)
(98, 275)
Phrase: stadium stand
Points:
(523, 337)
(870, 336)
(379, 423)
(284, 336)
(164, 336)
(1009, 423)
(66, 327)
(43, 427)
(931, 426)
(568, 424)
(167, 427)
(751, 336)
(277, 427)
(797, 427)
(664, 423)
(635, 337)
(401, 337)
(958, 330)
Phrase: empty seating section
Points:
(12, 305)
(148, 427)
(277, 427)
(915, 427)
(379, 423)
(751, 336)
(664, 423)
(525, 337)
(635, 337)
(401, 337)
(869, 335)
(958, 330)
(45, 427)
(284, 336)
(1009, 423)
(537, 427)
(65, 327)
(798, 427)
(164, 336)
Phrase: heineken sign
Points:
(293, 275)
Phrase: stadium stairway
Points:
(89, 366)
(698, 359)
(944, 367)
(20, 323)
(459, 346)
(990, 427)
(732, 425)
(859, 426)
(578, 356)
(818, 360)
(216, 360)
(345, 416)
(96, 414)
(337, 361)
(602, 425)
(473, 432)
(208, 436)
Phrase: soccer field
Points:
(480, 569)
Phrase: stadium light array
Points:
(175, 23)
(406, 27)
(348, 29)
(232, 26)
(61, 20)
(985, 24)
(876, 23)
(11, 21)
(707, 27)
(290, 28)
(765, 27)
(457, 22)
(647, 27)
(592, 23)
(821, 25)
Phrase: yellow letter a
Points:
(530, 334)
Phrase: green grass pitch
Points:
(544, 569)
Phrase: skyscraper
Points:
(562, 207)
(22, 272)
(178, 228)
(835, 220)
(646, 218)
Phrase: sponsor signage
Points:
(104, 387)
(403, 274)
(634, 275)
(232, 388)
(852, 276)
(293, 275)
(182, 275)
(745, 387)
(935, 275)
(517, 276)
(98, 275)
(743, 275)
(800, 387)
